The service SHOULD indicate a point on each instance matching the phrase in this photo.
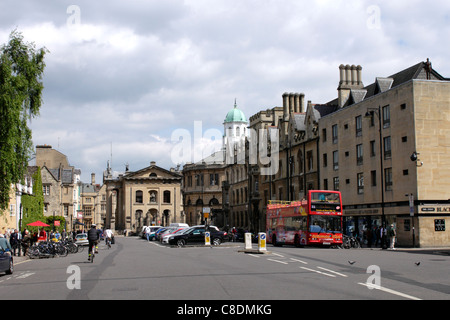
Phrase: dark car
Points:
(6, 262)
(196, 235)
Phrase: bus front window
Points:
(325, 224)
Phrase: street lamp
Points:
(369, 114)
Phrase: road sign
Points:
(207, 238)
(262, 241)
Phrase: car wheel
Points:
(11, 267)
(216, 241)
(181, 242)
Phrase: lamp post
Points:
(369, 114)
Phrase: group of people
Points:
(379, 235)
(17, 243)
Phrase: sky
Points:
(124, 78)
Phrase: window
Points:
(373, 178)
(387, 148)
(139, 197)
(309, 157)
(388, 179)
(360, 179)
(324, 135)
(335, 160)
(372, 148)
(199, 180)
(386, 117)
(46, 190)
(166, 196)
(214, 179)
(325, 184)
(336, 183)
(359, 154)
(335, 133)
(358, 121)
(325, 160)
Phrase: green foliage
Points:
(51, 219)
(21, 71)
(33, 205)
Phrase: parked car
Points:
(165, 238)
(168, 230)
(81, 239)
(178, 225)
(196, 235)
(159, 231)
(6, 262)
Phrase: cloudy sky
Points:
(125, 75)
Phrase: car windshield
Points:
(81, 235)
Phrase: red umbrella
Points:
(38, 224)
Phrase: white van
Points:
(178, 225)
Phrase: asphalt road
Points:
(135, 269)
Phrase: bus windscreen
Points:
(325, 224)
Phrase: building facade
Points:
(384, 146)
(386, 149)
(60, 183)
(150, 196)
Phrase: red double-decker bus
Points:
(315, 221)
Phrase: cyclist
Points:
(93, 237)
(109, 235)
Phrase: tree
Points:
(21, 71)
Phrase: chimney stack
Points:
(350, 79)
(92, 178)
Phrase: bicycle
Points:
(350, 242)
(92, 251)
(108, 242)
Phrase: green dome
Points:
(235, 115)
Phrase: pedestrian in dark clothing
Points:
(26, 242)
(15, 240)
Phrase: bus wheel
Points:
(297, 242)
(275, 243)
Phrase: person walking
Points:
(383, 237)
(26, 242)
(392, 237)
(4, 243)
(15, 240)
(147, 232)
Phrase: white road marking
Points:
(339, 274)
(319, 272)
(299, 261)
(404, 295)
(282, 262)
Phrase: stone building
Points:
(60, 182)
(384, 146)
(149, 196)
(202, 188)
(386, 143)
